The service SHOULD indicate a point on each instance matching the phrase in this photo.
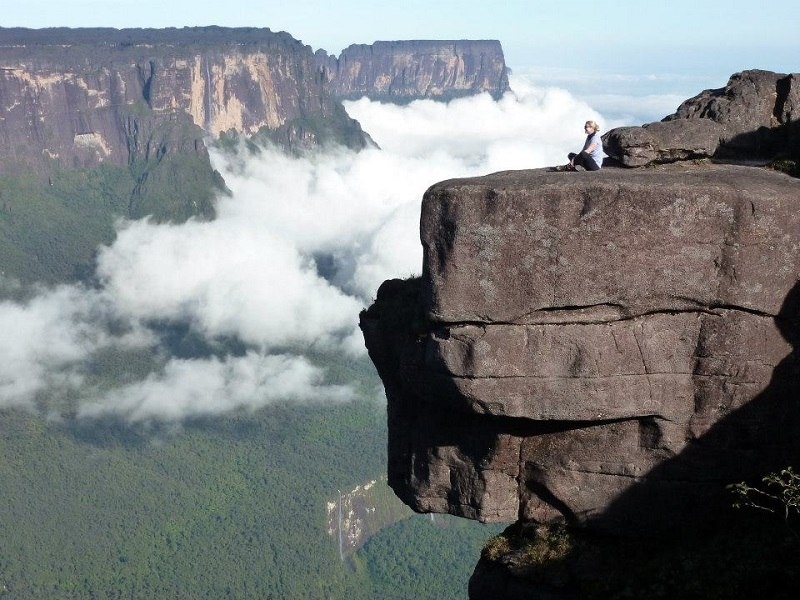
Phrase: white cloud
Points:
(527, 128)
(623, 98)
(229, 277)
(195, 388)
(46, 340)
(300, 247)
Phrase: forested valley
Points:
(230, 507)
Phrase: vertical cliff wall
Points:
(79, 98)
(407, 70)
(609, 349)
(119, 119)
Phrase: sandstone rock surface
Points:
(608, 348)
(755, 116)
(663, 142)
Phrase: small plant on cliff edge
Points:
(532, 545)
(785, 165)
(780, 495)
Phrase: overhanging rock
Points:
(607, 348)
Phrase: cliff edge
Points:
(603, 353)
(609, 349)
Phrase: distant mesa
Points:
(76, 98)
(403, 71)
(122, 118)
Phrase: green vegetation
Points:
(741, 558)
(50, 230)
(176, 188)
(231, 507)
(780, 494)
(306, 133)
(223, 509)
(324, 129)
(548, 545)
(423, 557)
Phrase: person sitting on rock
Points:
(591, 157)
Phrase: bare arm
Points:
(590, 146)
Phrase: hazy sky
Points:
(680, 35)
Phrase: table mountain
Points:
(403, 71)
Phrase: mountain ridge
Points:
(99, 124)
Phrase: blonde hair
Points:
(593, 125)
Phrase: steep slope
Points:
(85, 97)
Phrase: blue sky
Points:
(689, 36)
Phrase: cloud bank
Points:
(211, 387)
(298, 249)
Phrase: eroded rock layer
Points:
(610, 348)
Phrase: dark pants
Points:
(583, 160)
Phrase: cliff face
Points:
(356, 515)
(120, 118)
(408, 70)
(85, 97)
(607, 349)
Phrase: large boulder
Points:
(663, 142)
(755, 116)
(606, 348)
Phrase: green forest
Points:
(223, 507)
(231, 507)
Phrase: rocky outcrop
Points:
(755, 116)
(84, 97)
(409, 70)
(606, 349)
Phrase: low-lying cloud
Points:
(293, 255)
(46, 339)
(211, 387)
(625, 98)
